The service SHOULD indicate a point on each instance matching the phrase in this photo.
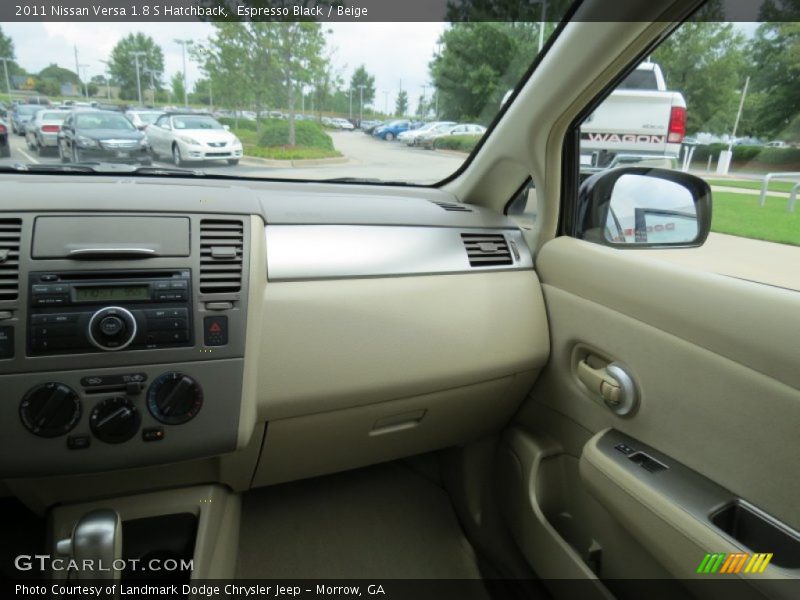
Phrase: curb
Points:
(307, 162)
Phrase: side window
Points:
(714, 101)
(162, 121)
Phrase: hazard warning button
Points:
(215, 331)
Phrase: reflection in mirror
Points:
(649, 210)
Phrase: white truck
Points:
(641, 121)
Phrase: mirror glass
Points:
(650, 210)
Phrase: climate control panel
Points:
(99, 419)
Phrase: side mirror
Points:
(641, 207)
(226, 127)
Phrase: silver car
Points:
(41, 132)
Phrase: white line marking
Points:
(28, 156)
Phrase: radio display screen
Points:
(105, 294)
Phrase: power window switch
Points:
(624, 448)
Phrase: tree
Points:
(362, 77)
(48, 87)
(123, 63)
(705, 61)
(7, 51)
(401, 103)
(202, 93)
(772, 107)
(176, 82)
(422, 106)
(478, 63)
(59, 74)
(298, 52)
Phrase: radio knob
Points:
(112, 328)
(50, 409)
(174, 398)
(115, 420)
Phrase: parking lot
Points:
(365, 158)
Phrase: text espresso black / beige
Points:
(210, 591)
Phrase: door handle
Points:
(611, 383)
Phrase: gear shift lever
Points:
(97, 543)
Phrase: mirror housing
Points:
(226, 127)
(644, 207)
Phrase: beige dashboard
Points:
(367, 327)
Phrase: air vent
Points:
(487, 249)
(452, 207)
(10, 232)
(221, 250)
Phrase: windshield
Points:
(307, 100)
(147, 117)
(92, 120)
(195, 123)
(28, 109)
(53, 116)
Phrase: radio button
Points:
(49, 300)
(111, 325)
(40, 289)
(167, 325)
(56, 331)
(161, 285)
(54, 319)
(180, 284)
(170, 296)
(166, 313)
(49, 277)
(168, 337)
(45, 344)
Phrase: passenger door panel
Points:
(714, 361)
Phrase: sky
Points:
(392, 52)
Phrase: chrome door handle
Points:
(612, 384)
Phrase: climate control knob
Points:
(50, 409)
(115, 420)
(112, 328)
(174, 398)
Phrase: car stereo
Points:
(107, 311)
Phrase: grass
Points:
(774, 186)
(247, 136)
(740, 214)
(290, 152)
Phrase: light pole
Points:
(152, 72)
(136, 56)
(541, 24)
(183, 44)
(85, 84)
(351, 103)
(725, 156)
(361, 103)
(5, 60)
(108, 79)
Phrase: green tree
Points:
(123, 63)
(48, 87)
(772, 108)
(705, 61)
(362, 77)
(178, 89)
(401, 103)
(59, 74)
(299, 58)
(478, 63)
(422, 106)
(7, 51)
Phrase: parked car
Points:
(5, 149)
(3, 110)
(42, 132)
(21, 114)
(193, 138)
(392, 129)
(427, 140)
(777, 144)
(40, 100)
(142, 118)
(101, 135)
(411, 136)
(369, 127)
(343, 124)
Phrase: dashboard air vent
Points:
(221, 250)
(10, 232)
(487, 249)
(453, 207)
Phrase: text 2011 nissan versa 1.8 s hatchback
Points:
(557, 358)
